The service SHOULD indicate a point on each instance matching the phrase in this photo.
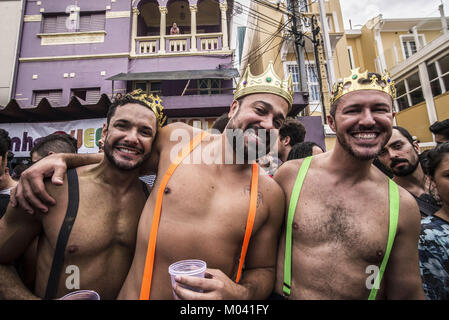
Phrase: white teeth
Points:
(127, 151)
(365, 136)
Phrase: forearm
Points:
(258, 283)
(12, 287)
(75, 160)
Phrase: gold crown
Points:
(350, 84)
(267, 82)
(152, 102)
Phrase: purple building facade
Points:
(76, 56)
(89, 48)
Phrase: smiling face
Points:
(363, 122)
(129, 136)
(253, 120)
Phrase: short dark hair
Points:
(58, 142)
(441, 127)
(405, 133)
(294, 129)
(367, 80)
(127, 98)
(5, 142)
(221, 122)
(435, 156)
(302, 150)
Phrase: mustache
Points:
(396, 161)
(118, 145)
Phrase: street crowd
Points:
(272, 215)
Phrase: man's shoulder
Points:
(175, 131)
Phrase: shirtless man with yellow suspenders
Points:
(344, 218)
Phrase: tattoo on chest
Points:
(247, 191)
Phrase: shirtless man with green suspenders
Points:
(344, 218)
(223, 212)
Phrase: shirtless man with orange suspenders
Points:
(222, 212)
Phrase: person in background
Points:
(174, 29)
(291, 133)
(304, 150)
(58, 142)
(441, 131)
(434, 239)
(17, 171)
(6, 182)
(401, 156)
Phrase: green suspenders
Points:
(393, 222)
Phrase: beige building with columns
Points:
(416, 53)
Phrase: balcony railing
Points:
(205, 42)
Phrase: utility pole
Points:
(299, 46)
(321, 68)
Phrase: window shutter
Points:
(49, 24)
(55, 97)
(97, 21)
(38, 96)
(85, 22)
(61, 23)
(92, 96)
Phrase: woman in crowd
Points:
(434, 239)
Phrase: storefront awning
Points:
(177, 75)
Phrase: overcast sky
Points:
(360, 11)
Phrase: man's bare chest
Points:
(101, 222)
(353, 223)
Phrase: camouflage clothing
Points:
(433, 249)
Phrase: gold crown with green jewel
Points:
(351, 84)
(154, 102)
(267, 82)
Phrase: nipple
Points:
(72, 249)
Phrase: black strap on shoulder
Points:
(64, 234)
(145, 189)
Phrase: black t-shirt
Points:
(4, 200)
(427, 204)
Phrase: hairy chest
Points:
(350, 223)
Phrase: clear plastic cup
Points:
(195, 268)
(81, 295)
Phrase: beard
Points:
(122, 165)
(256, 147)
(406, 170)
(365, 156)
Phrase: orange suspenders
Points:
(149, 260)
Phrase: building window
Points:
(409, 92)
(409, 45)
(90, 95)
(149, 87)
(54, 96)
(439, 75)
(312, 80)
(209, 86)
(59, 23)
(351, 57)
(303, 6)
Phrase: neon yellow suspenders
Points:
(393, 222)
